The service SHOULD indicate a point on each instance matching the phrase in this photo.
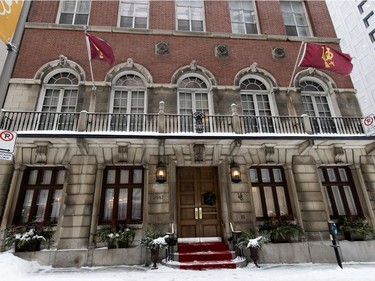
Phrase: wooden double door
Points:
(198, 202)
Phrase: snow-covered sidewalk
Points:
(15, 269)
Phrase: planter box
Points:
(29, 247)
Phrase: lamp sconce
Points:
(235, 172)
(161, 172)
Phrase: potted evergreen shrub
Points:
(253, 241)
(28, 237)
(355, 228)
(116, 235)
(281, 229)
(154, 240)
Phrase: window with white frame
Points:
(270, 192)
(40, 197)
(243, 17)
(74, 12)
(295, 18)
(340, 192)
(316, 105)
(256, 106)
(192, 97)
(128, 103)
(134, 13)
(190, 15)
(59, 101)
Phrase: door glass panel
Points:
(328, 201)
(123, 204)
(41, 204)
(338, 200)
(257, 202)
(32, 177)
(350, 200)
(343, 175)
(27, 205)
(331, 175)
(137, 204)
(137, 176)
(271, 210)
(124, 176)
(111, 176)
(108, 204)
(60, 177)
(253, 175)
(282, 200)
(56, 204)
(47, 174)
(265, 175)
(277, 175)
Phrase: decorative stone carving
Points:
(339, 154)
(221, 51)
(278, 53)
(63, 60)
(161, 48)
(193, 65)
(123, 153)
(199, 152)
(254, 67)
(270, 153)
(130, 63)
(41, 152)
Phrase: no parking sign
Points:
(369, 124)
(7, 144)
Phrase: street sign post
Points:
(369, 124)
(7, 144)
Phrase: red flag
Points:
(324, 57)
(100, 50)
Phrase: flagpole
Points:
(295, 67)
(89, 56)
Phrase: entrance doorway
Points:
(198, 202)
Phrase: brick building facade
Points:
(301, 149)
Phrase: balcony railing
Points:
(86, 122)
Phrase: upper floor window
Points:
(316, 104)
(340, 191)
(59, 94)
(134, 13)
(128, 103)
(74, 12)
(270, 192)
(190, 15)
(243, 17)
(192, 97)
(256, 106)
(122, 195)
(295, 18)
(40, 194)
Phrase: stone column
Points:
(368, 171)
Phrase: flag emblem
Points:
(10, 11)
(100, 50)
(324, 57)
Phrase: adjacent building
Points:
(198, 88)
(354, 22)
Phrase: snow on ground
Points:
(13, 268)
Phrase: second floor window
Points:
(190, 15)
(128, 103)
(243, 17)
(270, 192)
(122, 195)
(59, 95)
(316, 105)
(75, 12)
(256, 106)
(134, 13)
(295, 18)
(40, 195)
(340, 191)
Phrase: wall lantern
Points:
(161, 172)
(235, 172)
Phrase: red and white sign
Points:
(7, 141)
(369, 124)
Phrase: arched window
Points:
(128, 102)
(59, 94)
(316, 104)
(192, 98)
(255, 101)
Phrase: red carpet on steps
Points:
(205, 255)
